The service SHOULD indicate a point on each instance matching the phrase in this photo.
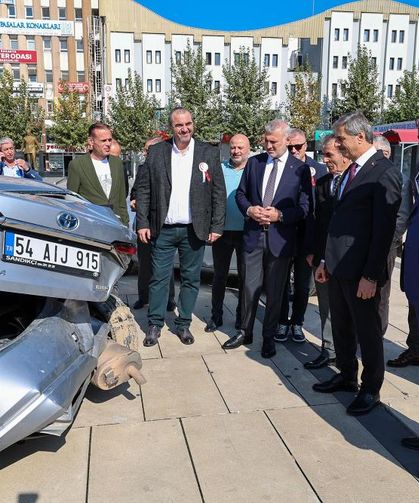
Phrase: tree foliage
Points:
(404, 105)
(246, 98)
(192, 89)
(361, 90)
(19, 112)
(70, 121)
(303, 104)
(132, 114)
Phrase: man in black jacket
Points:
(359, 238)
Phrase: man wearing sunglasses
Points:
(302, 271)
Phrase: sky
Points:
(239, 15)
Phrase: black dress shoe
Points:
(153, 334)
(321, 361)
(171, 305)
(138, 304)
(337, 383)
(411, 442)
(268, 348)
(363, 403)
(406, 358)
(212, 325)
(185, 336)
(237, 340)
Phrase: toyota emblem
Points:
(68, 221)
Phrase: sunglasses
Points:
(299, 146)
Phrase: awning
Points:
(401, 135)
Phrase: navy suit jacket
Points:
(293, 197)
(411, 258)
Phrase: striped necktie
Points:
(270, 186)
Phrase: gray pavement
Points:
(215, 426)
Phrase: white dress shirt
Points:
(179, 211)
(269, 167)
(103, 172)
(360, 162)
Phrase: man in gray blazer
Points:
(98, 176)
(181, 201)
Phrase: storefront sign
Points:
(35, 89)
(73, 87)
(15, 56)
(37, 27)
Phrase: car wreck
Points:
(61, 326)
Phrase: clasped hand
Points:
(264, 216)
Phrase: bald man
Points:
(232, 238)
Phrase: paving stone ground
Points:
(216, 426)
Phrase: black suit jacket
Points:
(363, 222)
(207, 198)
(324, 205)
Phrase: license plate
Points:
(34, 252)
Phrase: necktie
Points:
(351, 176)
(335, 183)
(270, 186)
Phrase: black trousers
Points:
(413, 337)
(352, 317)
(261, 269)
(386, 290)
(144, 273)
(222, 251)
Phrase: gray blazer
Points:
(207, 198)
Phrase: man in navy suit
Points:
(274, 194)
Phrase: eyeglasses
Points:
(298, 146)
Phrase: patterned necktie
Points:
(335, 183)
(270, 186)
(351, 176)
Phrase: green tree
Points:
(303, 104)
(247, 106)
(404, 105)
(192, 89)
(19, 112)
(70, 121)
(132, 114)
(361, 90)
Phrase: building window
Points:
(217, 86)
(178, 57)
(391, 64)
(375, 36)
(157, 57)
(344, 62)
(30, 43)
(79, 45)
(47, 44)
(16, 73)
(397, 89)
(80, 76)
(390, 91)
(31, 73)
(13, 42)
(48, 76)
(127, 56)
(374, 61)
(345, 34)
(335, 61)
(401, 36)
(11, 11)
(334, 90)
(292, 89)
(366, 35)
(78, 14)
(63, 45)
(399, 63)
(50, 107)
(28, 11)
(158, 86)
(394, 36)
(236, 58)
(274, 88)
(275, 60)
(246, 58)
(337, 33)
(149, 57)
(62, 13)
(118, 83)
(208, 58)
(217, 59)
(267, 60)
(64, 75)
(117, 55)
(149, 86)
(45, 12)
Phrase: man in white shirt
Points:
(181, 201)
